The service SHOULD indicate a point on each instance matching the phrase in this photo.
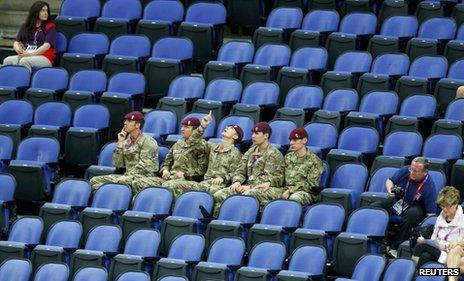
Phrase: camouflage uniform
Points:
(302, 175)
(189, 157)
(140, 160)
(260, 167)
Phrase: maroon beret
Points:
(261, 127)
(191, 121)
(134, 115)
(298, 133)
(239, 132)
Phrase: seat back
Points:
(321, 135)
(73, 192)
(187, 87)
(104, 238)
(88, 80)
(400, 269)
(454, 110)
(112, 196)
(78, 8)
(341, 100)
(310, 58)
(285, 17)
(227, 251)
(223, 90)
(369, 267)
(456, 70)
(106, 154)
(118, 83)
(209, 13)
(6, 147)
(161, 122)
(353, 62)
(308, 259)
(170, 11)
(91, 273)
(92, 116)
(122, 9)
(272, 55)
(371, 222)
(323, 216)
(246, 123)
(358, 23)
(8, 187)
(89, 43)
(281, 212)
(433, 147)
(143, 242)
(131, 45)
(400, 26)
(18, 112)
(342, 179)
(391, 64)
(360, 139)
(173, 48)
(402, 144)
(45, 150)
(304, 97)
(240, 208)
(260, 93)
(321, 20)
(15, 270)
(439, 180)
(53, 113)
(26, 230)
(236, 52)
(268, 255)
(187, 247)
(134, 276)
(14, 76)
(429, 67)
(379, 102)
(188, 204)
(419, 106)
(52, 271)
(155, 200)
(281, 130)
(438, 28)
(66, 234)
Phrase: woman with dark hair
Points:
(35, 41)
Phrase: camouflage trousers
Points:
(264, 195)
(136, 182)
(180, 186)
(303, 197)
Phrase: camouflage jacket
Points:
(189, 157)
(302, 173)
(222, 162)
(140, 158)
(260, 167)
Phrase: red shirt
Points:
(40, 35)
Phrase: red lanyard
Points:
(419, 187)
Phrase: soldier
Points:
(262, 164)
(135, 151)
(303, 170)
(223, 159)
(186, 160)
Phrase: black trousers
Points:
(411, 217)
(426, 253)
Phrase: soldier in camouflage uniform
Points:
(223, 159)
(303, 170)
(187, 160)
(260, 172)
(135, 151)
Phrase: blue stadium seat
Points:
(91, 273)
(173, 278)
(368, 268)
(281, 130)
(85, 87)
(236, 215)
(355, 144)
(445, 90)
(375, 109)
(321, 138)
(204, 25)
(246, 123)
(439, 180)
(35, 168)
(105, 162)
(159, 124)
(6, 152)
(280, 23)
(141, 245)
(364, 232)
(266, 63)
(452, 123)
(14, 80)
(263, 257)
(69, 197)
(24, 231)
(300, 102)
(15, 270)
(223, 254)
(438, 157)
(352, 27)
(108, 202)
(348, 67)
(61, 238)
(122, 97)
(51, 119)
(134, 276)
(52, 271)
(305, 262)
(61, 46)
(162, 153)
(422, 72)
(324, 180)
(344, 189)
(43, 88)
(127, 53)
(77, 16)
(185, 217)
(279, 218)
(15, 117)
(306, 67)
(399, 269)
(317, 24)
(7, 203)
(118, 17)
(385, 69)
(414, 111)
(102, 240)
(87, 135)
(85, 51)
(160, 19)
(232, 56)
(256, 98)
(151, 205)
(376, 190)
(185, 247)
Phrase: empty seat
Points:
(105, 162)
(159, 124)
(322, 137)
(281, 129)
(14, 80)
(256, 98)
(305, 262)
(91, 273)
(85, 51)
(399, 269)
(428, 9)
(454, 49)
(7, 203)
(15, 270)
(44, 89)
(438, 157)
(77, 16)
(52, 271)
(134, 276)
(6, 151)
(51, 119)
(391, 8)
(85, 87)
(445, 90)
(24, 231)
(452, 123)
(15, 118)
(368, 268)
(118, 17)
(170, 57)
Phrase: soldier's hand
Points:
(166, 174)
(217, 180)
(205, 121)
(263, 185)
(244, 188)
(178, 175)
(286, 194)
(122, 136)
(234, 186)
